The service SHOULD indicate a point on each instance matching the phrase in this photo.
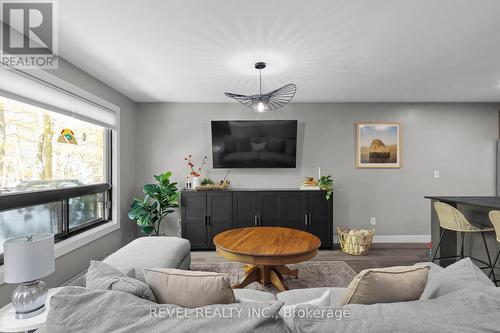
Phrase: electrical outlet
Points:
(436, 174)
(373, 220)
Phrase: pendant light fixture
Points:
(266, 102)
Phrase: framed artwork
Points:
(378, 145)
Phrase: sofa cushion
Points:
(151, 252)
(385, 285)
(297, 296)
(79, 310)
(101, 276)
(433, 269)
(276, 145)
(242, 144)
(276, 157)
(472, 309)
(287, 312)
(189, 289)
(241, 157)
(229, 144)
(290, 147)
(459, 275)
(252, 295)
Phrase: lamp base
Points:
(28, 299)
(30, 314)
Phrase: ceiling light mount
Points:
(266, 102)
(260, 65)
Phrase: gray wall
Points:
(457, 139)
(76, 261)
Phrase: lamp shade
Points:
(28, 258)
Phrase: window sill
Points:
(63, 247)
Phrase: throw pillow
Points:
(128, 271)
(387, 285)
(229, 144)
(189, 289)
(287, 312)
(259, 146)
(242, 144)
(460, 275)
(290, 147)
(101, 276)
(276, 145)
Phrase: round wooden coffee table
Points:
(266, 251)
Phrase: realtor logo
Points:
(28, 34)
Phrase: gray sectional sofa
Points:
(152, 252)
(459, 298)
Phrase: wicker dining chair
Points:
(495, 220)
(452, 219)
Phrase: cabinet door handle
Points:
(255, 221)
(309, 220)
(205, 220)
(209, 220)
(258, 220)
(305, 219)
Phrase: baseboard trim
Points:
(396, 239)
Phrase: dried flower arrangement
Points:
(193, 171)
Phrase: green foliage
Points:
(159, 201)
(206, 181)
(326, 184)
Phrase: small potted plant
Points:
(160, 200)
(206, 181)
(326, 184)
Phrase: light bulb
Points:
(261, 107)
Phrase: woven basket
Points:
(355, 243)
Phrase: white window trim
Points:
(74, 242)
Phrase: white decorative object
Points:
(9, 322)
(195, 182)
(26, 260)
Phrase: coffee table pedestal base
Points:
(266, 275)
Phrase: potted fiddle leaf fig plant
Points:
(160, 200)
(326, 183)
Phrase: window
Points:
(51, 181)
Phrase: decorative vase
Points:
(195, 182)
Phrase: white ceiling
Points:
(333, 50)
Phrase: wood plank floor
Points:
(381, 255)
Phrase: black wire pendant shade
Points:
(266, 102)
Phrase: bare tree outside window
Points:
(33, 159)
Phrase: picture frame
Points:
(378, 145)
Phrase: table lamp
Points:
(26, 259)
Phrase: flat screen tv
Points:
(254, 144)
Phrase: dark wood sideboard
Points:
(204, 214)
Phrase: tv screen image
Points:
(254, 144)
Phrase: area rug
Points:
(311, 274)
